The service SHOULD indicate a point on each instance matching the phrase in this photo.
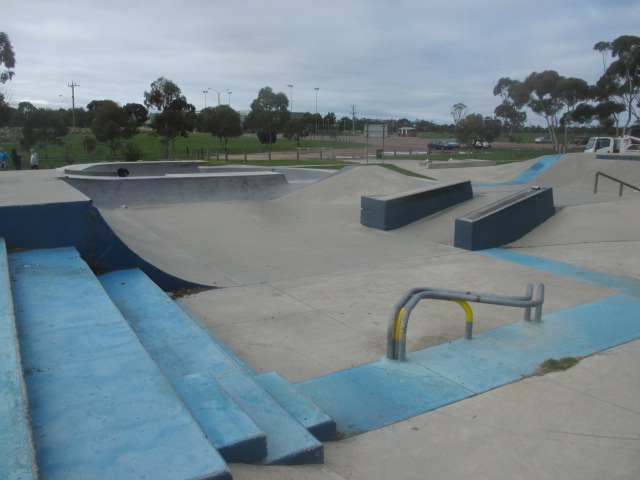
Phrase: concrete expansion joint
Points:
(546, 378)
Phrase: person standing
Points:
(3, 160)
(33, 161)
(17, 159)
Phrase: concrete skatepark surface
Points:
(308, 291)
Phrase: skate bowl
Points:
(116, 185)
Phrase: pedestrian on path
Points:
(3, 159)
(17, 159)
(33, 161)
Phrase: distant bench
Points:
(388, 212)
(504, 221)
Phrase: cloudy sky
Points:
(390, 58)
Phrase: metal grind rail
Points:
(397, 329)
(622, 184)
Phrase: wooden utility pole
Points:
(73, 103)
(353, 119)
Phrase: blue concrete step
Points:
(318, 423)
(213, 337)
(229, 428)
(180, 348)
(17, 455)
(288, 442)
(100, 407)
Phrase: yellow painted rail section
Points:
(397, 328)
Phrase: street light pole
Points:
(290, 98)
(316, 89)
(205, 96)
(229, 92)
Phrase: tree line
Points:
(613, 101)
(563, 102)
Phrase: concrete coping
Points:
(113, 166)
(224, 174)
(502, 204)
(176, 175)
(417, 191)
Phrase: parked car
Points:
(542, 140)
(453, 143)
(438, 145)
(480, 143)
(581, 140)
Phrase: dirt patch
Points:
(553, 365)
(184, 292)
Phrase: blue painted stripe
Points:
(503, 355)
(374, 395)
(529, 174)
(371, 396)
(624, 285)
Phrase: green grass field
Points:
(201, 146)
(196, 146)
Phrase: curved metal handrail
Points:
(397, 328)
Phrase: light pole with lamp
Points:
(229, 93)
(227, 90)
(64, 100)
(218, 95)
(205, 96)
(290, 98)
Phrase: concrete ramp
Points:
(348, 185)
(575, 171)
